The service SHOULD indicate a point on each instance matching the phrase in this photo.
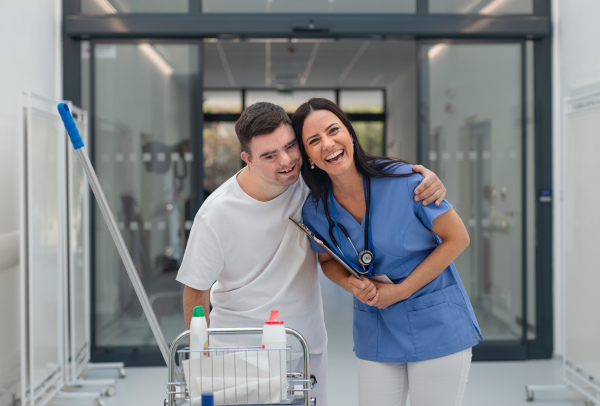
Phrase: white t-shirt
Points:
(260, 261)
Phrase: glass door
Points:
(476, 132)
(144, 100)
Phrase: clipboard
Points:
(326, 248)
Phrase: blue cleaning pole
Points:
(71, 128)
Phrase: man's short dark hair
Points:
(259, 119)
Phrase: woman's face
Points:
(328, 142)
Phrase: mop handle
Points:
(71, 128)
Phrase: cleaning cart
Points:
(247, 376)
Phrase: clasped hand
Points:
(380, 295)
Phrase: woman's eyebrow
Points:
(332, 124)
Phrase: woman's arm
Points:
(364, 290)
(455, 238)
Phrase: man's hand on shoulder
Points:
(431, 188)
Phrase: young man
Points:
(242, 238)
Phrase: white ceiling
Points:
(333, 64)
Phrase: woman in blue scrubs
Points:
(414, 325)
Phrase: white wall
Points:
(576, 67)
(30, 51)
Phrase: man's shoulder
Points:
(217, 200)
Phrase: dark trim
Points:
(212, 118)
(139, 356)
(542, 7)
(524, 194)
(197, 135)
(422, 6)
(232, 117)
(281, 26)
(543, 344)
(195, 6)
(499, 351)
(91, 151)
(422, 105)
(385, 121)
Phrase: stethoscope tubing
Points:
(365, 253)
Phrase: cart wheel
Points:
(122, 373)
(99, 402)
(529, 394)
(111, 390)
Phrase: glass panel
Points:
(481, 6)
(224, 101)
(309, 6)
(221, 154)
(142, 156)
(289, 100)
(45, 244)
(134, 6)
(370, 136)
(474, 112)
(362, 101)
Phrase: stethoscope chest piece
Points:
(365, 257)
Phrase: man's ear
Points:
(246, 157)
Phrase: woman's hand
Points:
(387, 295)
(364, 290)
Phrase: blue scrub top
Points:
(438, 319)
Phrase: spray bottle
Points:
(274, 332)
(275, 342)
(198, 333)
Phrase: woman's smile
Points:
(336, 157)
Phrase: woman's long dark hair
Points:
(316, 179)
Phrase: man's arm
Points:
(192, 298)
(431, 188)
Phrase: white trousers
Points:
(435, 382)
(318, 368)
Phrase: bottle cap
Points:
(273, 318)
(208, 399)
(198, 311)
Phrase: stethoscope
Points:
(365, 257)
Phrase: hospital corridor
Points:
(238, 165)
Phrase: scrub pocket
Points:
(365, 332)
(440, 323)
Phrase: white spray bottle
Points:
(274, 340)
(198, 333)
(274, 332)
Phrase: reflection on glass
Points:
(481, 6)
(476, 139)
(134, 6)
(289, 100)
(309, 6)
(362, 101)
(222, 101)
(143, 159)
(370, 136)
(221, 154)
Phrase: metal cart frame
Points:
(177, 394)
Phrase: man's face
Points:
(275, 157)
